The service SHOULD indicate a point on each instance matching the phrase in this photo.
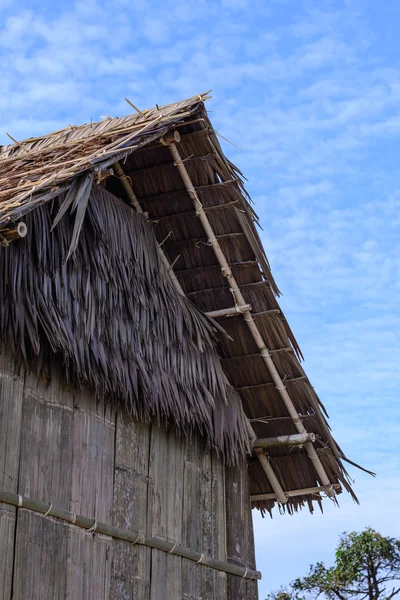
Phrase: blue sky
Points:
(310, 92)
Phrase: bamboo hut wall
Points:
(63, 447)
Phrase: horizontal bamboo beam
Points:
(169, 164)
(182, 192)
(268, 418)
(184, 213)
(237, 264)
(268, 383)
(204, 240)
(244, 285)
(293, 493)
(133, 537)
(226, 312)
(297, 439)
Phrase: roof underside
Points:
(37, 170)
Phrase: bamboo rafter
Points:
(227, 273)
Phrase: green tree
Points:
(367, 567)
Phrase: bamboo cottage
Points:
(151, 391)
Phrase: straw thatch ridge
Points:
(37, 169)
(114, 320)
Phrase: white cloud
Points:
(156, 31)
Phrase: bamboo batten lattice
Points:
(227, 273)
(174, 137)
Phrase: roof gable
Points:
(155, 182)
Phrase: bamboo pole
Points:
(135, 107)
(279, 494)
(294, 493)
(226, 272)
(126, 182)
(133, 537)
(226, 312)
(297, 439)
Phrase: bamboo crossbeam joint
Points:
(267, 468)
(232, 311)
(297, 439)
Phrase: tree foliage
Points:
(367, 567)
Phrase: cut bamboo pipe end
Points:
(172, 137)
(8, 235)
(22, 229)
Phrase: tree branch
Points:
(394, 592)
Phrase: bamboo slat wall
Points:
(61, 447)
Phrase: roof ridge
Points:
(139, 115)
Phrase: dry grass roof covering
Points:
(34, 172)
(36, 169)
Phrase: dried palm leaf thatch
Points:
(97, 297)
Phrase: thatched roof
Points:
(111, 247)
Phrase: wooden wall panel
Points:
(130, 577)
(218, 518)
(240, 546)
(91, 494)
(40, 558)
(175, 464)
(157, 506)
(67, 458)
(11, 394)
(64, 448)
(191, 494)
(88, 565)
